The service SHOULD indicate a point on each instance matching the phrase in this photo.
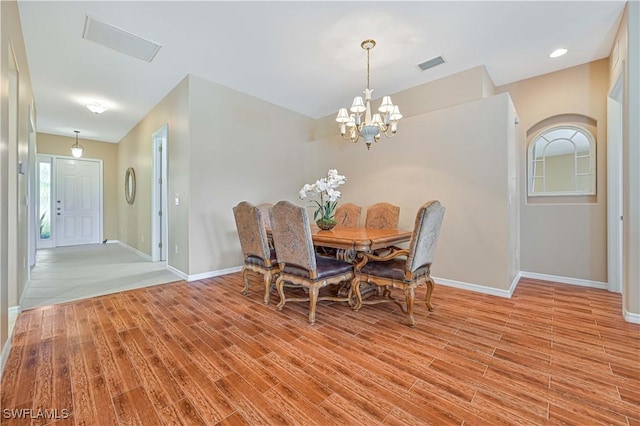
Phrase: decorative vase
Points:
(326, 224)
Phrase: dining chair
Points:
(348, 214)
(382, 216)
(299, 264)
(405, 269)
(265, 209)
(264, 214)
(258, 256)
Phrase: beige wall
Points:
(13, 187)
(627, 67)
(443, 154)
(242, 148)
(233, 149)
(223, 147)
(559, 172)
(135, 150)
(559, 238)
(113, 186)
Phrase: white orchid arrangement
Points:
(326, 188)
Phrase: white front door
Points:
(78, 202)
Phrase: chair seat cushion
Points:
(325, 267)
(255, 260)
(392, 269)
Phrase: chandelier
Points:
(353, 126)
(76, 148)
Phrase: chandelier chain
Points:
(368, 67)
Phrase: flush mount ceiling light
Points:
(76, 148)
(372, 127)
(558, 52)
(96, 108)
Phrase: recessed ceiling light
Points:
(96, 108)
(557, 53)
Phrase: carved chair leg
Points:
(280, 288)
(427, 298)
(245, 278)
(313, 301)
(386, 292)
(267, 286)
(410, 295)
(353, 301)
(355, 288)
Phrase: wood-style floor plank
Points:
(200, 353)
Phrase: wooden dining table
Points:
(350, 241)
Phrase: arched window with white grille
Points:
(561, 161)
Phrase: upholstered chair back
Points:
(348, 214)
(382, 216)
(292, 235)
(251, 231)
(426, 229)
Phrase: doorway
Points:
(69, 204)
(615, 187)
(32, 189)
(159, 236)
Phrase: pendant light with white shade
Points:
(77, 149)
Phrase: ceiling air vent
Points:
(120, 40)
(431, 63)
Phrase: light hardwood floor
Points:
(200, 353)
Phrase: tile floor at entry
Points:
(64, 274)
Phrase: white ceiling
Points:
(304, 56)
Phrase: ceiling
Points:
(304, 56)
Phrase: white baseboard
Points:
(632, 318)
(12, 315)
(211, 274)
(136, 251)
(14, 310)
(514, 284)
(477, 287)
(113, 241)
(5, 355)
(202, 276)
(565, 280)
(178, 272)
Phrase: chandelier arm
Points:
(351, 138)
(387, 132)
